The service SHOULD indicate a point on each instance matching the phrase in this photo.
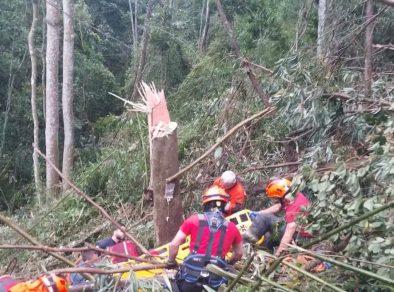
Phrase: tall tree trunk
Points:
(245, 64)
(136, 24)
(368, 48)
(53, 8)
(204, 33)
(321, 29)
(133, 28)
(144, 47)
(11, 79)
(33, 81)
(43, 56)
(67, 89)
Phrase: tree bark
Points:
(52, 112)
(245, 63)
(144, 47)
(167, 215)
(167, 204)
(67, 89)
(368, 48)
(321, 29)
(33, 100)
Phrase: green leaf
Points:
(369, 204)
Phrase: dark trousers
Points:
(273, 228)
(269, 225)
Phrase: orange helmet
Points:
(215, 193)
(54, 283)
(278, 188)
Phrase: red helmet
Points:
(215, 193)
(278, 188)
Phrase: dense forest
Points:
(323, 69)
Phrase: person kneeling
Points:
(211, 239)
(279, 230)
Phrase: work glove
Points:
(227, 207)
(172, 264)
(253, 215)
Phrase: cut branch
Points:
(34, 241)
(108, 272)
(94, 204)
(271, 166)
(351, 223)
(257, 116)
(346, 266)
(73, 249)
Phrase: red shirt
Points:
(190, 227)
(295, 208)
(237, 194)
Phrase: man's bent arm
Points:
(271, 210)
(174, 245)
(287, 237)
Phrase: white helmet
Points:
(228, 179)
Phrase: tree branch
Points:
(257, 116)
(48, 249)
(245, 63)
(94, 204)
(108, 272)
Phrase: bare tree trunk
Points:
(8, 105)
(67, 89)
(52, 112)
(133, 28)
(43, 56)
(33, 81)
(136, 24)
(245, 64)
(144, 47)
(321, 29)
(204, 34)
(368, 48)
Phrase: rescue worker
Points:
(234, 188)
(44, 283)
(211, 238)
(279, 230)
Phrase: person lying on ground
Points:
(118, 243)
(212, 237)
(279, 231)
(88, 259)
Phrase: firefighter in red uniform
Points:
(234, 188)
(279, 230)
(211, 238)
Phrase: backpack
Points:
(123, 247)
(193, 267)
(6, 282)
